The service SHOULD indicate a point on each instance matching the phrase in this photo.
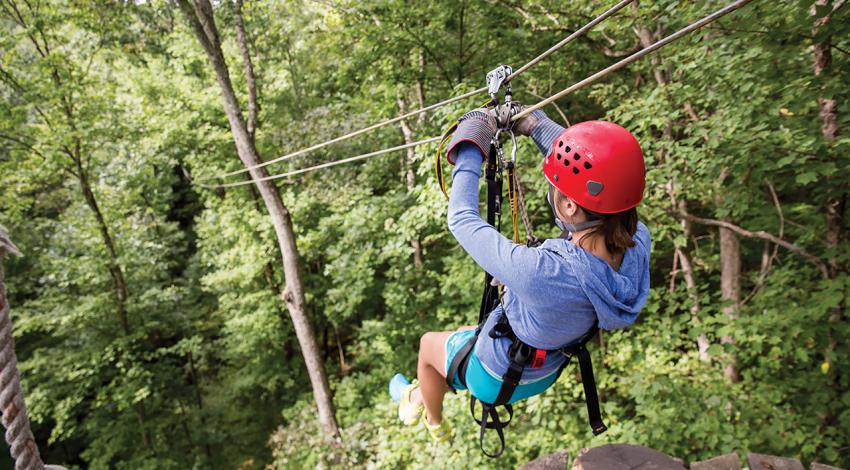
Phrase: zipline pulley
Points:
(498, 77)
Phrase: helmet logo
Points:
(594, 187)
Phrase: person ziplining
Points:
(556, 294)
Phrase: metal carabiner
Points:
(500, 151)
(497, 144)
(513, 145)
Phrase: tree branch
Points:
(23, 144)
(761, 234)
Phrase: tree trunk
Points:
(199, 13)
(828, 115)
(835, 207)
(690, 279)
(199, 400)
(827, 108)
(647, 38)
(115, 270)
(118, 283)
(730, 290)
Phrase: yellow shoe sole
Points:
(408, 413)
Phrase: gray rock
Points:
(625, 457)
(820, 466)
(556, 461)
(770, 462)
(721, 462)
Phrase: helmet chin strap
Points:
(566, 227)
(575, 228)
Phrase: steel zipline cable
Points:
(323, 165)
(587, 81)
(580, 32)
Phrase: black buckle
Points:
(500, 330)
(520, 353)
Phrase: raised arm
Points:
(517, 266)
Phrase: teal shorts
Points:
(481, 383)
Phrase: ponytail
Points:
(617, 229)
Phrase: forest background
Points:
(153, 320)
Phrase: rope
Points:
(18, 433)
(587, 81)
(432, 107)
(19, 436)
(529, 230)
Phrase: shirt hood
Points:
(617, 296)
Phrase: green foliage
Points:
(207, 372)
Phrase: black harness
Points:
(521, 354)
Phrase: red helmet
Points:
(599, 165)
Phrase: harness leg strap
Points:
(461, 355)
(588, 382)
(490, 420)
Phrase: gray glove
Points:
(477, 126)
(525, 125)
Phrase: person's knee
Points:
(430, 345)
(425, 341)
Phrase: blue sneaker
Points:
(400, 390)
(397, 385)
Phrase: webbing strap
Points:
(490, 298)
(461, 356)
(588, 382)
(490, 419)
(510, 381)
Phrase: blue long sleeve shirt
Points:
(554, 292)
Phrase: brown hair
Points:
(617, 229)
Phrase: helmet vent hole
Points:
(576, 156)
(575, 170)
(587, 165)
